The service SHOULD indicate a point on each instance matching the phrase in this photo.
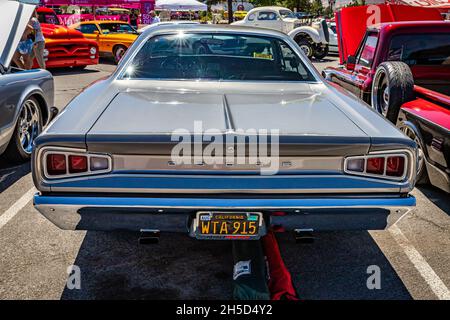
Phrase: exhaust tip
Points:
(149, 236)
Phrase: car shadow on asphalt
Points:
(10, 173)
(71, 71)
(335, 267)
(114, 266)
(437, 196)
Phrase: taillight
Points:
(395, 166)
(78, 164)
(68, 164)
(356, 165)
(56, 164)
(375, 165)
(392, 166)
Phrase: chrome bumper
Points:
(175, 214)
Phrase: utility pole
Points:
(230, 11)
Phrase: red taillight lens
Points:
(78, 164)
(375, 165)
(356, 165)
(395, 166)
(56, 164)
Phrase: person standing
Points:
(133, 19)
(39, 42)
(155, 18)
(22, 55)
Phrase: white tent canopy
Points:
(180, 5)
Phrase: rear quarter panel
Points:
(14, 89)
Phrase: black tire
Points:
(321, 51)
(392, 86)
(422, 174)
(16, 152)
(306, 47)
(79, 68)
(118, 52)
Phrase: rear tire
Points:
(28, 127)
(321, 51)
(393, 85)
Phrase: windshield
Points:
(421, 49)
(217, 57)
(287, 14)
(117, 28)
(47, 17)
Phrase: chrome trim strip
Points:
(286, 164)
(41, 201)
(228, 191)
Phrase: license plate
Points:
(229, 225)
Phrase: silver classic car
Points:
(221, 132)
(26, 96)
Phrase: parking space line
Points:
(16, 207)
(431, 278)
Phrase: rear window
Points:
(421, 49)
(217, 57)
(117, 28)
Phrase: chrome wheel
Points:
(29, 125)
(118, 53)
(380, 101)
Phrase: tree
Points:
(316, 7)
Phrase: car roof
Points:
(103, 21)
(217, 28)
(276, 8)
(45, 9)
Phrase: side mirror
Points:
(351, 62)
(105, 31)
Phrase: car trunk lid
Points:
(148, 122)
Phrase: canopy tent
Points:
(180, 5)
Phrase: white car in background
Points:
(333, 44)
(313, 40)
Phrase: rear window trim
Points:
(119, 75)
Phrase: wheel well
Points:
(42, 106)
(118, 45)
(301, 36)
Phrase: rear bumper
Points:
(175, 214)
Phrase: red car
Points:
(65, 47)
(402, 69)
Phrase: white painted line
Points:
(431, 278)
(16, 207)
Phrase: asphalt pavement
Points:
(412, 259)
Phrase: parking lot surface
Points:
(413, 257)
